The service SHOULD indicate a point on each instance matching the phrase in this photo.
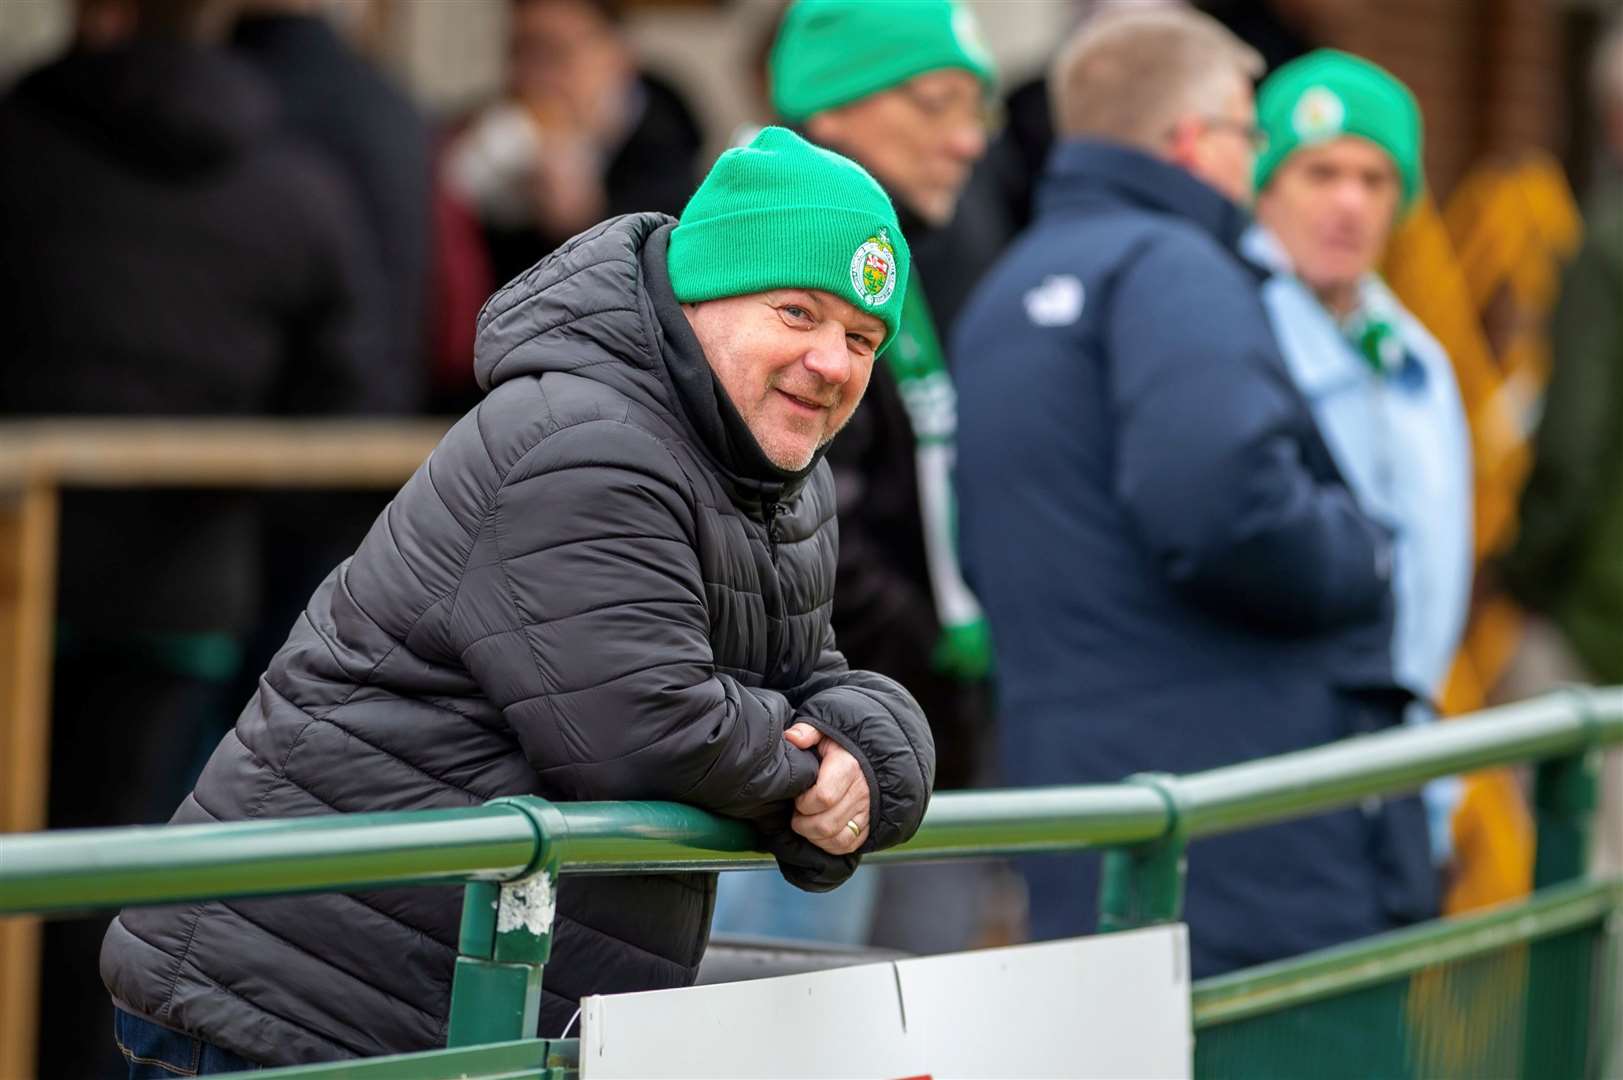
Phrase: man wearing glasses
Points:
(1175, 570)
(899, 86)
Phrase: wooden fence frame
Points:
(40, 458)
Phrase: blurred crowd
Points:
(1084, 555)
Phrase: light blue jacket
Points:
(1400, 438)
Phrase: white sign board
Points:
(1114, 1006)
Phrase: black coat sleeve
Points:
(882, 726)
(587, 625)
(886, 616)
(1577, 432)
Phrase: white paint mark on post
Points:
(527, 905)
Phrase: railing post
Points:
(1563, 803)
(1557, 1028)
(505, 942)
(1142, 884)
(1609, 1037)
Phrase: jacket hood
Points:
(601, 307)
(168, 107)
(578, 308)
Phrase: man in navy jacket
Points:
(1176, 575)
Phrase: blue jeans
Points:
(158, 1053)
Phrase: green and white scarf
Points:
(920, 370)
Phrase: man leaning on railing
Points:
(611, 580)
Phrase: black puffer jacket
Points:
(595, 588)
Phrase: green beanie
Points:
(781, 213)
(833, 52)
(1327, 94)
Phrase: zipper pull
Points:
(770, 511)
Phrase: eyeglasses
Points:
(1251, 133)
(947, 108)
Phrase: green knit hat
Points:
(1327, 94)
(833, 52)
(781, 213)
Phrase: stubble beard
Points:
(801, 460)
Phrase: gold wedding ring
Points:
(856, 830)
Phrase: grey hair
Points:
(1129, 72)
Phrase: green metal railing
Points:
(1457, 997)
(510, 852)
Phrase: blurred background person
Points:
(345, 109)
(1566, 567)
(901, 88)
(450, 55)
(1177, 574)
(168, 251)
(374, 138)
(1020, 149)
(580, 135)
(1340, 167)
(1280, 30)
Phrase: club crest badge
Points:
(1319, 114)
(873, 269)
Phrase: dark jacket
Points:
(377, 143)
(376, 139)
(1176, 575)
(167, 252)
(595, 588)
(951, 259)
(1017, 155)
(1568, 558)
(885, 615)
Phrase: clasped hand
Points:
(839, 796)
